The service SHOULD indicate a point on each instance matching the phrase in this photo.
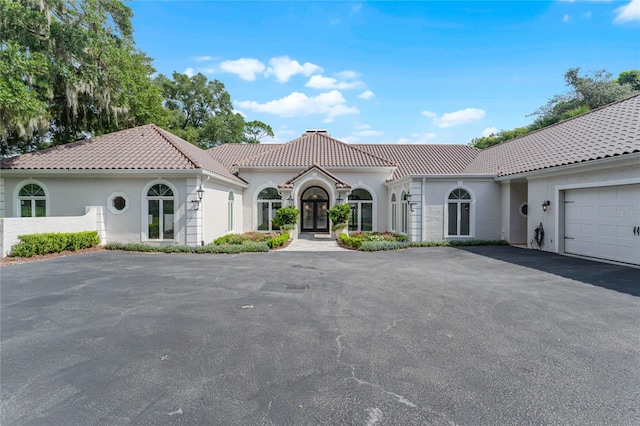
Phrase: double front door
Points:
(315, 203)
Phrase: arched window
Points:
(394, 212)
(160, 205)
(403, 213)
(361, 217)
(268, 202)
(459, 213)
(230, 210)
(33, 201)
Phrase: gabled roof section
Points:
(229, 154)
(315, 148)
(339, 183)
(424, 159)
(145, 147)
(609, 131)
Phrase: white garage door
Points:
(604, 222)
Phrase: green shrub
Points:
(350, 241)
(50, 242)
(458, 243)
(285, 216)
(243, 238)
(382, 245)
(254, 247)
(339, 215)
(278, 241)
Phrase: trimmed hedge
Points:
(458, 243)
(259, 237)
(53, 242)
(251, 247)
(382, 245)
(278, 241)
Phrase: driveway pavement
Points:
(440, 336)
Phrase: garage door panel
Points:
(600, 222)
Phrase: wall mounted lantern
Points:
(407, 198)
(546, 205)
(199, 193)
(289, 201)
(339, 200)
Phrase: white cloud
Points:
(368, 133)
(203, 58)
(367, 94)
(207, 70)
(417, 138)
(189, 72)
(331, 104)
(489, 131)
(330, 83)
(628, 13)
(348, 75)
(284, 67)
(245, 68)
(456, 118)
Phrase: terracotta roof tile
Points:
(145, 147)
(229, 154)
(424, 159)
(608, 131)
(314, 147)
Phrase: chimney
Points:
(324, 132)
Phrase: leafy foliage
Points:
(286, 216)
(208, 249)
(278, 241)
(70, 69)
(36, 244)
(201, 112)
(244, 238)
(587, 92)
(339, 215)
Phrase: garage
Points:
(603, 222)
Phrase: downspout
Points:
(424, 209)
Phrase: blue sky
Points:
(389, 72)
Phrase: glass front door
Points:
(315, 203)
(314, 216)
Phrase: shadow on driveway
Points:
(614, 277)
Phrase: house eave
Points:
(112, 173)
(618, 160)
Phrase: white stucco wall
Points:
(215, 208)
(68, 196)
(258, 180)
(551, 186)
(486, 207)
(11, 228)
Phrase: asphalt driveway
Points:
(492, 335)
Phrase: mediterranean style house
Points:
(571, 188)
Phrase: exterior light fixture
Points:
(289, 201)
(407, 198)
(200, 192)
(546, 205)
(339, 200)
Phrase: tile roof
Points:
(229, 154)
(424, 159)
(146, 147)
(339, 183)
(608, 131)
(318, 148)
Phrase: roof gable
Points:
(145, 147)
(338, 182)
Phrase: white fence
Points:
(11, 227)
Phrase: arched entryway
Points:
(315, 203)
